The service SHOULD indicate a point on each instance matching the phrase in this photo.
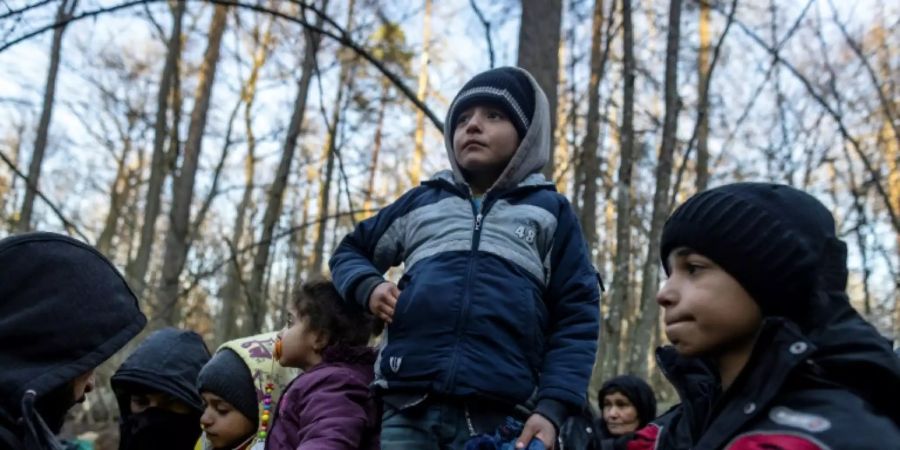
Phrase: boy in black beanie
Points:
(498, 301)
(766, 350)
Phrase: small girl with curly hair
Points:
(330, 404)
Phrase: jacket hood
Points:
(64, 309)
(533, 152)
(168, 361)
(850, 350)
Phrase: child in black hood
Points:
(64, 309)
(155, 387)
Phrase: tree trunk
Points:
(415, 174)
(137, 268)
(275, 197)
(589, 163)
(648, 313)
(8, 186)
(703, 70)
(227, 326)
(177, 242)
(118, 192)
(376, 151)
(65, 10)
(539, 35)
(621, 286)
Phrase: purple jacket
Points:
(330, 407)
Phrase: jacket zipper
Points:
(464, 310)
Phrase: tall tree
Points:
(227, 326)
(275, 197)
(589, 163)
(136, 271)
(419, 146)
(621, 285)
(648, 315)
(539, 36)
(329, 154)
(63, 12)
(703, 69)
(177, 238)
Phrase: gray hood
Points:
(532, 154)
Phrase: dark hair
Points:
(344, 323)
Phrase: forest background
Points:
(217, 151)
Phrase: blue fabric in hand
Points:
(504, 438)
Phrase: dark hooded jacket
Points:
(821, 380)
(64, 309)
(168, 361)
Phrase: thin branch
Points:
(13, 12)
(200, 276)
(487, 30)
(70, 227)
(702, 112)
(885, 103)
(838, 119)
(341, 37)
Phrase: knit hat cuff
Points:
(227, 376)
(491, 95)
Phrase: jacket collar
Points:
(447, 180)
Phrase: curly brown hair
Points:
(345, 323)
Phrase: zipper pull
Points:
(478, 221)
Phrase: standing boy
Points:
(767, 352)
(498, 302)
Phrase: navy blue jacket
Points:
(497, 302)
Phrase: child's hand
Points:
(383, 301)
(537, 427)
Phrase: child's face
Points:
(484, 140)
(224, 425)
(707, 312)
(300, 346)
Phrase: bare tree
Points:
(275, 196)
(136, 270)
(64, 12)
(703, 69)
(227, 327)
(415, 171)
(589, 163)
(177, 237)
(539, 36)
(648, 315)
(621, 291)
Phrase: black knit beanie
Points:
(505, 87)
(770, 237)
(228, 376)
